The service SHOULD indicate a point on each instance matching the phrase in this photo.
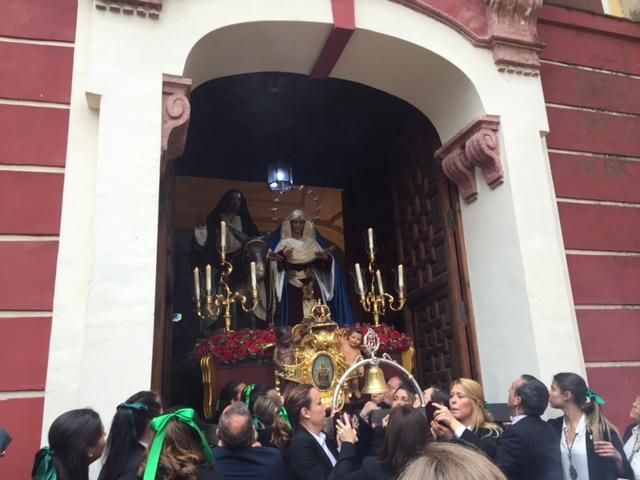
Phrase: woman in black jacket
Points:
(406, 436)
(129, 436)
(589, 444)
(467, 418)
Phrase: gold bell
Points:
(375, 382)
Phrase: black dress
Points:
(371, 469)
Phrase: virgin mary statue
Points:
(303, 270)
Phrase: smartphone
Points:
(430, 412)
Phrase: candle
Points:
(400, 278)
(370, 236)
(359, 279)
(379, 278)
(254, 283)
(223, 236)
(208, 279)
(196, 282)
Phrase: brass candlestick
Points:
(211, 305)
(376, 300)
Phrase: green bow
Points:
(248, 390)
(159, 424)
(591, 395)
(284, 415)
(46, 469)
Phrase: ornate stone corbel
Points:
(513, 34)
(476, 145)
(176, 113)
(142, 8)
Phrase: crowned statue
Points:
(303, 270)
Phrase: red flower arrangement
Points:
(236, 346)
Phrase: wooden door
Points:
(429, 246)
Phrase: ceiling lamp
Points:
(279, 177)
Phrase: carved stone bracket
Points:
(176, 113)
(507, 27)
(142, 8)
(476, 145)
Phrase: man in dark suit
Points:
(238, 455)
(529, 449)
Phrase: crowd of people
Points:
(260, 434)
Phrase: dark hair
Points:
(129, 424)
(534, 395)
(71, 436)
(248, 226)
(406, 436)
(236, 437)
(228, 394)
(296, 398)
(355, 330)
(440, 397)
(182, 452)
(282, 332)
(597, 423)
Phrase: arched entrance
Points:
(362, 158)
(517, 272)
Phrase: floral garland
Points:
(240, 345)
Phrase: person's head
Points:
(235, 428)
(467, 404)
(392, 384)
(283, 336)
(401, 397)
(130, 425)
(406, 436)
(528, 396)
(232, 201)
(183, 448)
(377, 398)
(635, 410)
(569, 390)
(304, 408)
(77, 440)
(230, 392)
(355, 338)
(445, 460)
(266, 406)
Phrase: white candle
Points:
(370, 236)
(196, 282)
(208, 279)
(254, 283)
(401, 278)
(379, 278)
(359, 279)
(223, 236)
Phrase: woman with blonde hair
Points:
(444, 461)
(467, 417)
(590, 446)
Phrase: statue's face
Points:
(297, 227)
(235, 201)
(355, 339)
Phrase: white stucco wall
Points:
(101, 346)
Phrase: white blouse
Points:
(632, 451)
(578, 451)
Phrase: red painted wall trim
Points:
(344, 24)
(39, 19)
(619, 386)
(23, 196)
(25, 343)
(600, 334)
(36, 72)
(27, 275)
(22, 417)
(33, 135)
(604, 280)
(575, 19)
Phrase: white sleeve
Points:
(200, 233)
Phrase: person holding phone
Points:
(467, 418)
(406, 436)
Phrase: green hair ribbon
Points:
(284, 415)
(591, 395)
(257, 423)
(46, 469)
(159, 424)
(137, 406)
(248, 390)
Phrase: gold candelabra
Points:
(375, 300)
(209, 306)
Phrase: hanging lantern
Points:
(279, 177)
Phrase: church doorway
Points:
(361, 158)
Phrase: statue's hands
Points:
(286, 253)
(321, 255)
